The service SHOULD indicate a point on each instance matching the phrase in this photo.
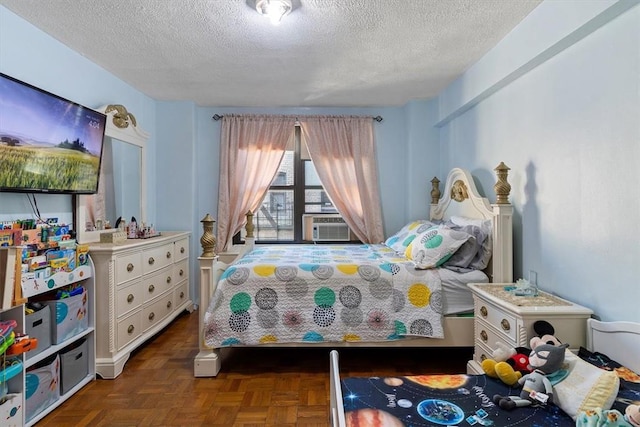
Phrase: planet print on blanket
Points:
(440, 412)
(372, 418)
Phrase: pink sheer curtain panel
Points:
(343, 152)
(251, 148)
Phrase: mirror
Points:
(122, 183)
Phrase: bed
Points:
(401, 306)
(609, 364)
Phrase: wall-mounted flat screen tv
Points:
(47, 143)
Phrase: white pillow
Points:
(586, 387)
(435, 246)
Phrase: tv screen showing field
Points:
(47, 143)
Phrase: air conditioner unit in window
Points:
(330, 229)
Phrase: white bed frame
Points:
(618, 340)
(460, 198)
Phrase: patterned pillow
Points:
(403, 238)
(435, 246)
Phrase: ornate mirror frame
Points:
(121, 125)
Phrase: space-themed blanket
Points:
(323, 293)
(436, 400)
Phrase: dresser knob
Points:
(483, 311)
(130, 329)
(181, 295)
(181, 272)
(483, 357)
(169, 304)
(152, 288)
(168, 279)
(129, 267)
(484, 336)
(151, 315)
(168, 254)
(505, 325)
(130, 298)
(182, 250)
(151, 261)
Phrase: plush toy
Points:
(632, 415)
(545, 359)
(510, 364)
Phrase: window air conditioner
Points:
(330, 229)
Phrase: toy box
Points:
(74, 365)
(69, 316)
(11, 410)
(38, 325)
(42, 386)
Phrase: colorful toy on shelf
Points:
(10, 368)
(7, 336)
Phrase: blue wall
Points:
(558, 100)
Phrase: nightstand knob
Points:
(484, 336)
(483, 311)
(130, 329)
(130, 298)
(483, 357)
(505, 325)
(129, 267)
(168, 254)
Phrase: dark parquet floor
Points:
(280, 387)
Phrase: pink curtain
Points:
(251, 149)
(343, 152)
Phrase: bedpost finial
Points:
(208, 240)
(435, 191)
(502, 187)
(249, 226)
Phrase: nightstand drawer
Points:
(506, 323)
(487, 335)
(481, 352)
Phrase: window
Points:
(295, 191)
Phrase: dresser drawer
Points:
(128, 329)
(156, 258)
(128, 298)
(157, 283)
(181, 249)
(158, 310)
(180, 271)
(504, 322)
(128, 267)
(181, 293)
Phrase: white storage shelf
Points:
(17, 384)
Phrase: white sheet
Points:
(457, 295)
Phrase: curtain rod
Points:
(217, 117)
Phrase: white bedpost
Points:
(502, 258)
(207, 362)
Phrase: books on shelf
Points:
(9, 258)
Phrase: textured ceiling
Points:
(325, 53)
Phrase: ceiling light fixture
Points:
(275, 10)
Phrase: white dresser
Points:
(503, 317)
(141, 286)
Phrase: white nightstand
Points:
(503, 317)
